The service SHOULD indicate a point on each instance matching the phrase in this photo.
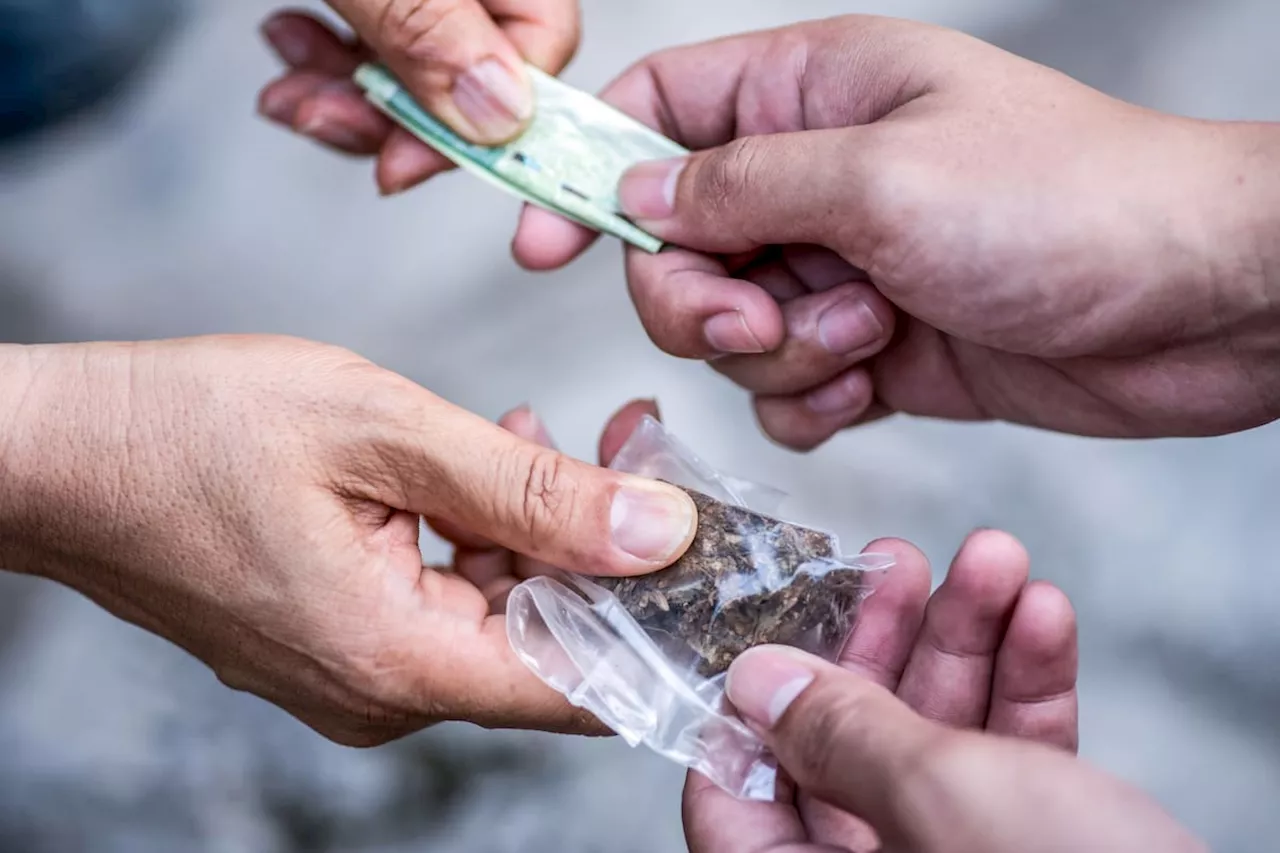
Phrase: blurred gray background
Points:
(178, 212)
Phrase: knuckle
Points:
(548, 496)
(725, 173)
(662, 304)
(411, 28)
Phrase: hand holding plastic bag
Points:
(647, 655)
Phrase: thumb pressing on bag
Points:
(531, 499)
(926, 788)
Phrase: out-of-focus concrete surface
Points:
(180, 213)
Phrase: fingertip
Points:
(887, 624)
(519, 421)
(621, 425)
(743, 319)
(286, 38)
(783, 425)
(692, 308)
(803, 422)
(910, 572)
(651, 523)
(1044, 626)
(287, 17)
(278, 101)
(303, 41)
(1034, 687)
(545, 241)
(991, 558)
(522, 421)
(405, 162)
(764, 317)
(334, 114)
(900, 548)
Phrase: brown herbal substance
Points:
(743, 583)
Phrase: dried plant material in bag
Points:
(746, 580)
(647, 655)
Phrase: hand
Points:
(256, 501)
(462, 59)
(891, 217)
(910, 773)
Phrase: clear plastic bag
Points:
(648, 655)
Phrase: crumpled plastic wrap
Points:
(648, 655)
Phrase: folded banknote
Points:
(568, 160)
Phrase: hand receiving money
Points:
(461, 59)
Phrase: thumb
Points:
(924, 787)
(755, 191)
(533, 499)
(453, 59)
(842, 738)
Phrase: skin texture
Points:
(1004, 242)
(430, 46)
(256, 501)
(886, 217)
(990, 240)
(917, 781)
(951, 702)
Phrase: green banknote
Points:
(568, 160)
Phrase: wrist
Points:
(19, 366)
(1258, 183)
(1234, 205)
(55, 435)
(1256, 192)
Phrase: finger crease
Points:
(1033, 701)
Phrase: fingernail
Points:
(293, 49)
(533, 428)
(848, 325)
(277, 107)
(729, 333)
(652, 522)
(840, 395)
(648, 190)
(540, 432)
(764, 681)
(493, 100)
(321, 127)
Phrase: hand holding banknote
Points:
(256, 501)
(461, 59)
(892, 217)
